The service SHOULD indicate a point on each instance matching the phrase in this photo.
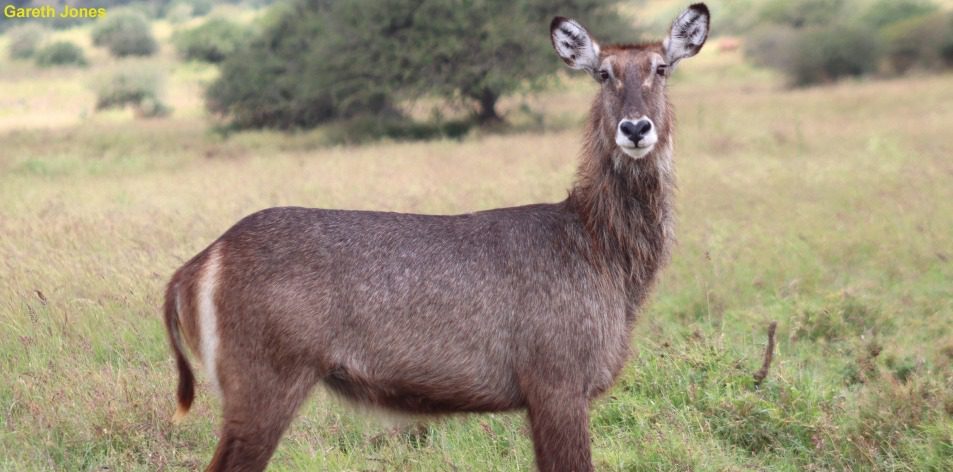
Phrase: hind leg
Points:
(560, 424)
(256, 412)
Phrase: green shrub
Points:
(125, 33)
(136, 86)
(264, 84)
(152, 107)
(60, 53)
(819, 41)
(771, 45)
(25, 40)
(178, 13)
(803, 13)
(211, 41)
(825, 54)
(882, 13)
(201, 7)
(924, 42)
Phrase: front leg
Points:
(560, 423)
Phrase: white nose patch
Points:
(645, 144)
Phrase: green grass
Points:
(828, 210)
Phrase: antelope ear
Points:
(689, 32)
(573, 44)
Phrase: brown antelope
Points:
(525, 307)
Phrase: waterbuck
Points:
(525, 307)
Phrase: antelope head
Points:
(632, 107)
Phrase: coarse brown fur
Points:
(525, 307)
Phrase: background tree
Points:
(212, 41)
(329, 59)
(821, 41)
(125, 33)
(25, 39)
(270, 81)
(474, 51)
(60, 53)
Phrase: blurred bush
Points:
(318, 60)
(819, 41)
(60, 53)
(828, 53)
(924, 42)
(201, 7)
(771, 45)
(734, 17)
(24, 40)
(803, 13)
(180, 11)
(882, 13)
(266, 83)
(125, 33)
(211, 41)
(134, 85)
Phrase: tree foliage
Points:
(323, 59)
(125, 33)
(212, 41)
(269, 82)
(132, 84)
(827, 53)
(24, 40)
(818, 41)
(803, 13)
(60, 53)
(884, 13)
(923, 42)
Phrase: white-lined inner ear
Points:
(575, 46)
(688, 34)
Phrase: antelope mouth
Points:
(640, 149)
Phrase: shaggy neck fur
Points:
(625, 204)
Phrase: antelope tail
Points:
(186, 390)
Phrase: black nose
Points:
(635, 130)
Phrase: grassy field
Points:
(829, 210)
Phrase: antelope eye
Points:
(661, 69)
(604, 75)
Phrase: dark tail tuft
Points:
(186, 391)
